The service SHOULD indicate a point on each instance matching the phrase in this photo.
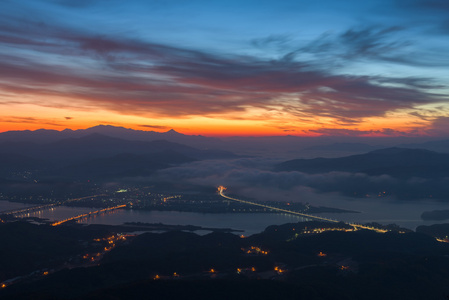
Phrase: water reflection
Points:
(405, 214)
(250, 223)
(6, 205)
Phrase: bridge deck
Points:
(221, 190)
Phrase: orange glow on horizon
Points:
(210, 131)
(33, 117)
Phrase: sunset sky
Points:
(225, 68)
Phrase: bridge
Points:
(89, 214)
(30, 209)
(221, 190)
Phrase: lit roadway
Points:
(45, 206)
(100, 211)
(221, 190)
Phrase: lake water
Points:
(6, 205)
(372, 210)
(384, 211)
(249, 223)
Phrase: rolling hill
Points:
(396, 162)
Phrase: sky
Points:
(227, 68)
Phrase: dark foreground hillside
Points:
(291, 261)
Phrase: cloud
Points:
(367, 44)
(357, 133)
(253, 178)
(137, 77)
(250, 172)
(278, 42)
(68, 118)
(154, 126)
(372, 42)
(439, 127)
(29, 120)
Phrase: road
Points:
(42, 207)
(97, 212)
(221, 190)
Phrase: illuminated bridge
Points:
(97, 212)
(29, 209)
(26, 210)
(221, 190)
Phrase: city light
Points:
(88, 214)
(221, 190)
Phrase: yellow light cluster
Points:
(254, 250)
(88, 214)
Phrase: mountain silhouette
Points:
(397, 162)
(43, 136)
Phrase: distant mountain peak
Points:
(104, 127)
(173, 132)
(43, 136)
